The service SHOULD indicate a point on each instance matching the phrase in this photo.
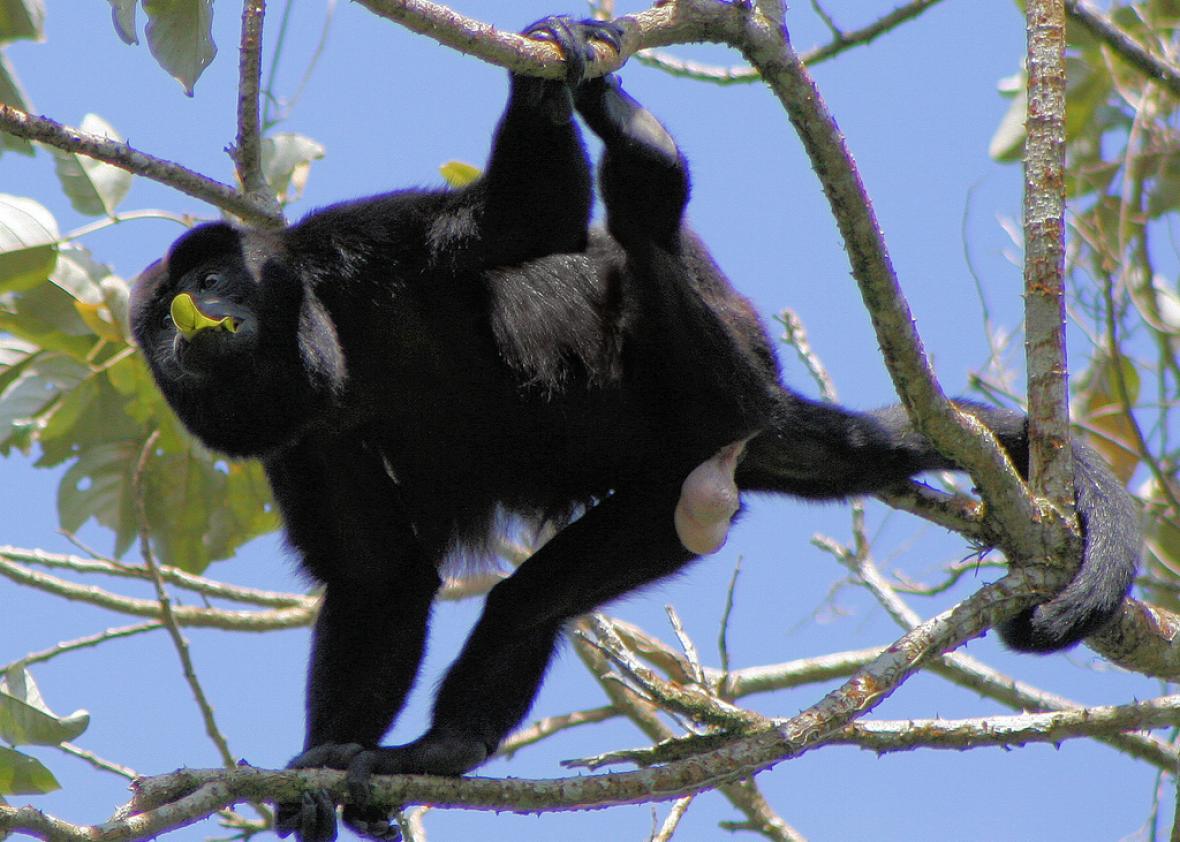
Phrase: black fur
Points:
(412, 367)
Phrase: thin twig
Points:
(82, 643)
(97, 762)
(969, 672)
(672, 820)
(1127, 47)
(178, 640)
(206, 587)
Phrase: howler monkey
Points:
(412, 367)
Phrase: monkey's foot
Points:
(313, 817)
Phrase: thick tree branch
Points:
(1050, 452)
(180, 798)
(767, 48)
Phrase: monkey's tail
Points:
(1112, 545)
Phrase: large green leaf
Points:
(24, 775)
(29, 397)
(1097, 402)
(99, 485)
(28, 243)
(93, 187)
(180, 36)
(21, 19)
(200, 506)
(25, 719)
(99, 297)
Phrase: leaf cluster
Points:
(72, 388)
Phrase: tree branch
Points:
(126, 157)
(247, 149)
(959, 436)
(166, 802)
(1050, 452)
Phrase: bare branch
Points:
(127, 157)
(1054, 727)
(186, 615)
(958, 436)
(247, 149)
(1050, 453)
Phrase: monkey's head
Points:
(236, 342)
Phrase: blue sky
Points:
(918, 108)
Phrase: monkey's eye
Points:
(208, 281)
(166, 321)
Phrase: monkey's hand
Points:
(574, 39)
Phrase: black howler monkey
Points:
(410, 367)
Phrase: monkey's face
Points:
(218, 320)
(209, 329)
(195, 313)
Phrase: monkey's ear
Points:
(202, 243)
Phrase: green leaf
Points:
(28, 243)
(1087, 91)
(24, 775)
(25, 719)
(100, 298)
(93, 187)
(99, 485)
(79, 275)
(202, 507)
(12, 94)
(180, 36)
(21, 19)
(46, 315)
(1163, 194)
(93, 414)
(286, 163)
(41, 382)
(1096, 401)
(459, 173)
(123, 16)
(116, 298)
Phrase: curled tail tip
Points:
(1030, 631)
(1113, 546)
(1088, 604)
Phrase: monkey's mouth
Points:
(191, 320)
